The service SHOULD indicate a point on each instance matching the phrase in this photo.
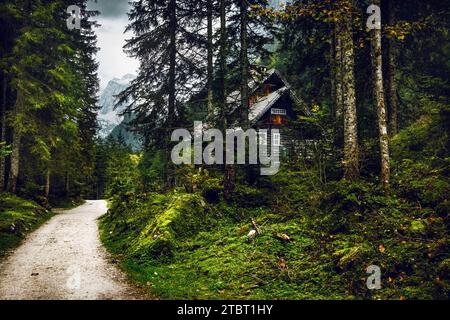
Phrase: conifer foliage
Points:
(49, 85)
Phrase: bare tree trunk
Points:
(172, 89)
(223, 62)
(333, 70)
(210, 57)
(351, 150)
(15, 160)
(337, 86)
(392, 91)
(3, 131)
(337, 64)
(228, 170)
(67, 184)
(47, 184)
(16, 143)
(392, 80)
(377, 65)
(244, 65)
(172, 61)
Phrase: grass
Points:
(225, 265)
(18, 217)
(221, 262)
(336, 231)
(325, 258)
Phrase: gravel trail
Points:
(65, 260)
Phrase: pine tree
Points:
(167, 44)
(210, 56)
(392, 80)
(53, 84)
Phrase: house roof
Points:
(261, 106)
(234, 98)
(264, 104)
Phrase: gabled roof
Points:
(261, 106)
(264, 104)
(234, 98)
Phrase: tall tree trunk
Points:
(15, 160)
(172, 88)
(392, 80)
(337, 74)
(228, 169)
(172, 61)
(333, 70)
(3, 131)
(245, 105)
(244, 65)
(351, 150)
(377, 65)
(47, 183)
(210, 57)
(67, 184)
(16, 143)
(223, 63)
(337, 92)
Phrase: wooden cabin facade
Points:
(272, 105)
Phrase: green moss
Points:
(417, 226)
(17, 218)
(184, 217)
(180, 248)
(214, 259)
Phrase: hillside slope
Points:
(17, 218)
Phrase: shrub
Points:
(249, 197)
(212, 190)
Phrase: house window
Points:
(277, 119)
(276, 140)
(262, 138)
(281, 112)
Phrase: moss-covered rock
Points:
(184, 217)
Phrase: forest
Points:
(359, 91)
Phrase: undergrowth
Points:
(316, 239)
(17, 218)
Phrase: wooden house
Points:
(272, 105)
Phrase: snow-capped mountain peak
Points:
(109, 114)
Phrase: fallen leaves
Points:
(282, 264)
(282, 237)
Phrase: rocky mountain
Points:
(109, 118)
(109, 115)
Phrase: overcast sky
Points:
(114, 63)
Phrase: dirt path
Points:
(64, 259)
